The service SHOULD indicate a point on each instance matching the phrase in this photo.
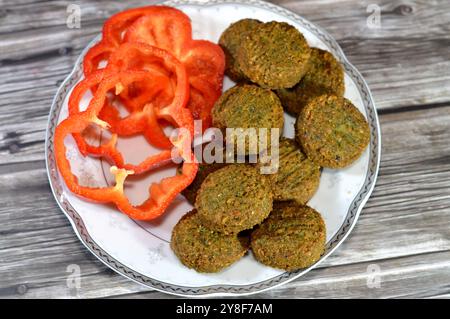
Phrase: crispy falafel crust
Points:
(234, 198)
(248, 106)
(275, 55)
(203, 249)
(325, 75)
(332, 131)
(297, 177)
(291, 238)
(190, 192)
(230, 40)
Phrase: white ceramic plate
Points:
(140, 250)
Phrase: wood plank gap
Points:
(412, 108)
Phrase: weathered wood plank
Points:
(26, 95)
(400, 60)
(407, 215)
(418, 276)
(406, 62)
(400, 69)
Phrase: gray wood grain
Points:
(413, 40)
(404, 228)
(406, 222)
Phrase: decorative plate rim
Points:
(220, 290)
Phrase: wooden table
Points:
(403, 232)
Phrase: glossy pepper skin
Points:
(140, 56)
(112, 32)
(160, 194)
(145, 110)
(170, 29)
(119, 75)
(147, 61)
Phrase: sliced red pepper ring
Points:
(176, 112)
(203, 59)
(160, 194)
(113, 30)
(206, 60)
(134, 96)
(96, 54)
(74, 101)
(115, 26)
(73, 105)
(170, 30)
(96, 105)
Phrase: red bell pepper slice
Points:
(139, 56)
(110, 82)
(97, 53)
(112, 34)
(170, 29)
(204, 60)
(160, 194)
(137, 122)
(117, 24)
(125, 57)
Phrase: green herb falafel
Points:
(291, 238)
(325, 75)
(248, 107)
(297, 177)
(230, 40)
(234, 198)
(274, 56)
(203, 249)
(332, 131)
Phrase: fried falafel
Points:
(297, 177)
(275, 55)
(332, 131)
(291, 238)
(325, 75)
(203, 249)
(234, 198)
(248, 107)
(230, 40)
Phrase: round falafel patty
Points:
(203, 249)
(332, 131)
(297, 177)
(275, 55)
(230, 40)
(205, 167)
(234, 198)
(204, 170)
(325, 75)
(291, 238)
(248, 107)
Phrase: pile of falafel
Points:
(237, 207)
